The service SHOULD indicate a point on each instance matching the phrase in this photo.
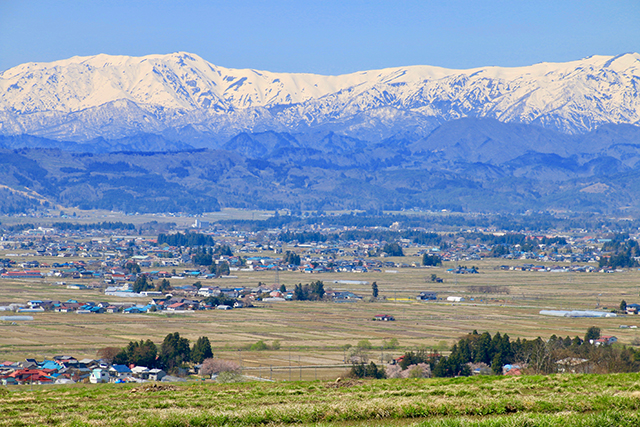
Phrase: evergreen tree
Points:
(443, 368)
(299, 294)
(482, 349)
(221, 269)
(201, 350)
(496, 364)
(202, 258)
(393, 249)
(317, 290)
(174, 351)
(593, 333)
(431, 260)
(164, 285)
(292, 258)
(141, 353)
(142, 284)
(224, 250)
(360, 370)
(374, 289)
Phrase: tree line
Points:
(535, 356)
(313, 291)
(174, 353)
(622, 252)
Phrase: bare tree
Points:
(108, 353)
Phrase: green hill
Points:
(555, 400)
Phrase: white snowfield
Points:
(111, 96)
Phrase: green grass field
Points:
(555, 400)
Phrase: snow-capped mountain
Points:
(82, 98)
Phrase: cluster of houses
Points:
(100, 254)
(88, 307)
(239, 297)
(68, 370)
(558, 268)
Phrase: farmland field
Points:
(312, 335)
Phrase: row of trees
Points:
(493, 352)
(393, 249)
(205, 255)
(431, 260)
(623, 252)
(313, 291)
(302, 237)
(174, 352)
(291, 258)
(538, 356)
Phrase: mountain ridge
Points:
(83, 98)
(271, 170)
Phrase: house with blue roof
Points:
(50, 364)
(119, 371)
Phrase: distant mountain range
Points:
(477, 165)
(184, 98)
(175, 133)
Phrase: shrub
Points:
(365, 345)
(391, 344)
(259, 346)
(360, 370)
(229, 377)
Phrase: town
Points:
(370, 272)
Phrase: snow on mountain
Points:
(114, 96)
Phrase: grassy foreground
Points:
(557, 400)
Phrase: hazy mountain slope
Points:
(275, 170)
(490, 141)
(82, 98)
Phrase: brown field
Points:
(312, 334)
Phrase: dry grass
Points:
(313, 333)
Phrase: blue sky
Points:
(324, 37)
